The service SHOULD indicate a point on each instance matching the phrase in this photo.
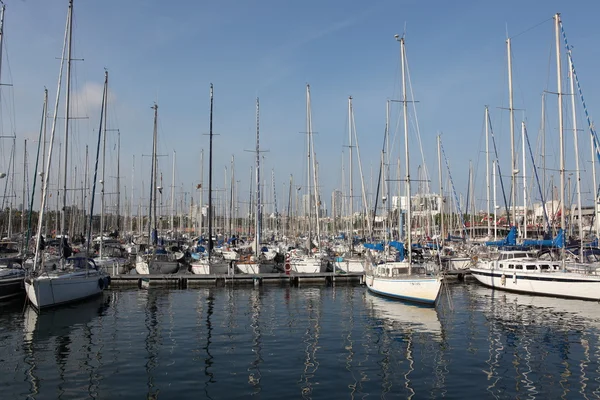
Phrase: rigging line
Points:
(499, 171)
(531, 28)
(462, 217)
(538, 181)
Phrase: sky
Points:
(169, 53)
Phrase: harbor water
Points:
(319, 342)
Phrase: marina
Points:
(300, 203)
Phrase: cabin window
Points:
(545, 267)
(518, 266)
(520, 255)
(503, 256)
(556, 267)
(510, 266)
(531, 268)
(501, 265)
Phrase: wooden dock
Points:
(184, 281)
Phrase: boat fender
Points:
(514, 278)
(474, 259)
(101, 283)
(503, 280)
(288, 265)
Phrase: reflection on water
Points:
(411, 344)
(310, 342)
(63, 330)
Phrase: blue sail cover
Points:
(509, 240)
(374, 246)
(400, 247)
(558, 241)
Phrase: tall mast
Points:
(201, 200)
(350, 179)
(513, 163)
(67, 102)
(257, 219)
(232, 208)
(577, 172)
(406, 154)
(1, 35)
(308, 167)
(523, 133)
(152, 179)
(560, 126)
(131, 201)
(103, 181)
(23, 202)
(119, 181)
(210, 159)
(487, 170)
(46, 170)
(173, 195)
(441, 197)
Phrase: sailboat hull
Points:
(559, 284)
(413, 288)
(50, 290)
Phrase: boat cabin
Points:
(515, 255)
(528, 265)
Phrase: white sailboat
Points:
(310, 261)
(155, 260)
(402, 279)
(542, 277)
(256, 263)
(75, 278)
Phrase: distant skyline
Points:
(170, 53)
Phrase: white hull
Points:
(349, 265)
(459, 263)
(555, 283)
(306, 265)
(49, 289)
(202, 267)
(416, 288)
(254, 268)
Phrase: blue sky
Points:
(170, 52)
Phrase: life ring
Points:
(101, 283)
(288, 265)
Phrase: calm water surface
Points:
(309, 342)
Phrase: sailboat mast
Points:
(441, 197)
(257, 220)
(560, 126)
(487, 171)
(577, 171)
(152, 176)
(173, 195)
(350, 177)
(103, 181)
(210, 159)
(24, 182)
(523, 133)
(119, 181)
(495, 209)
(511, 110)
(67, 114)
(308, 203)
(406, 155)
